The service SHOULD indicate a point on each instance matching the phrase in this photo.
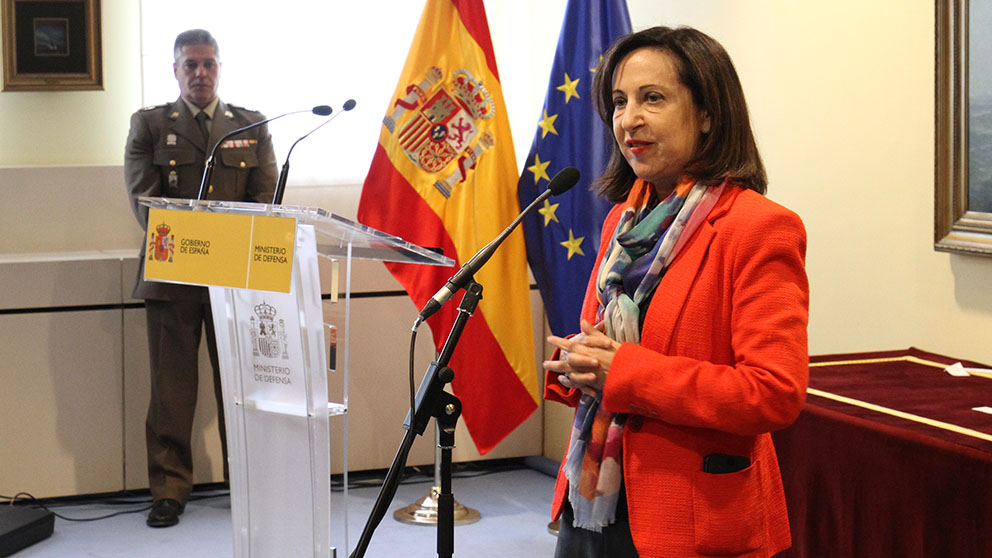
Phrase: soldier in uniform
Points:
(166, 150)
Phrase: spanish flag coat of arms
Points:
(444, 175)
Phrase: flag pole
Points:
(424, 510)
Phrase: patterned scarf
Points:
(645, 242)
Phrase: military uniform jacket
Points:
(165, 157)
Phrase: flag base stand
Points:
(424, 511)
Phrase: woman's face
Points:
(655, 120)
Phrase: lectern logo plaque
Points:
(268, 336)
(220, 249)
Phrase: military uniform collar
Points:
(216, 106)
(209, 109)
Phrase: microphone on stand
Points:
(561, 183)
(281, 185)
(208, 169)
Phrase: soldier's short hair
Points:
(194, 37)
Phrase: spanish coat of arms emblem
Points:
(162, 244)
(268, 337)
(436, 124)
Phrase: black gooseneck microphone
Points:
(208, 169)
(281, 185)
(561, 183)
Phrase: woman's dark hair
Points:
(728, 150)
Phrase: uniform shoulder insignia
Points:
(153, 107)
(241, 108)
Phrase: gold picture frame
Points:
(961, 224)
(52, 45)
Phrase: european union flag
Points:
(563, 236)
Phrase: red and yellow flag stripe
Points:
(430, 187)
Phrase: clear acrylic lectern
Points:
(276, 350)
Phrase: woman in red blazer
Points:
(700, 305)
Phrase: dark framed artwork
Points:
(51, 45)
(963, 125)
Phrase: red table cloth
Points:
(890, 459)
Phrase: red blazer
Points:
(723, 361)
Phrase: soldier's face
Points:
(198, 73)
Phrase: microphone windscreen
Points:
(564, 180)
(349, 104)
(322, 110)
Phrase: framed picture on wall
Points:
(51, 45)
(963, 125)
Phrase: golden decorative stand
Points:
(424, 511)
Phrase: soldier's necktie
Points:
(201, 121)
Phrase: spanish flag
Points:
(444, 175)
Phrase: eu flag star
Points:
(593, 69)
(573, 244)
(568, 88)
(547, 124)
(548, 211)
(540, 169)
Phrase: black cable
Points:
(40, 503)
(413, 404)
(48, 504)
(425, 473)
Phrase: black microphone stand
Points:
(208, 167)
(445, 408)
(432, 400)
(284, 173)
(281, 184)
